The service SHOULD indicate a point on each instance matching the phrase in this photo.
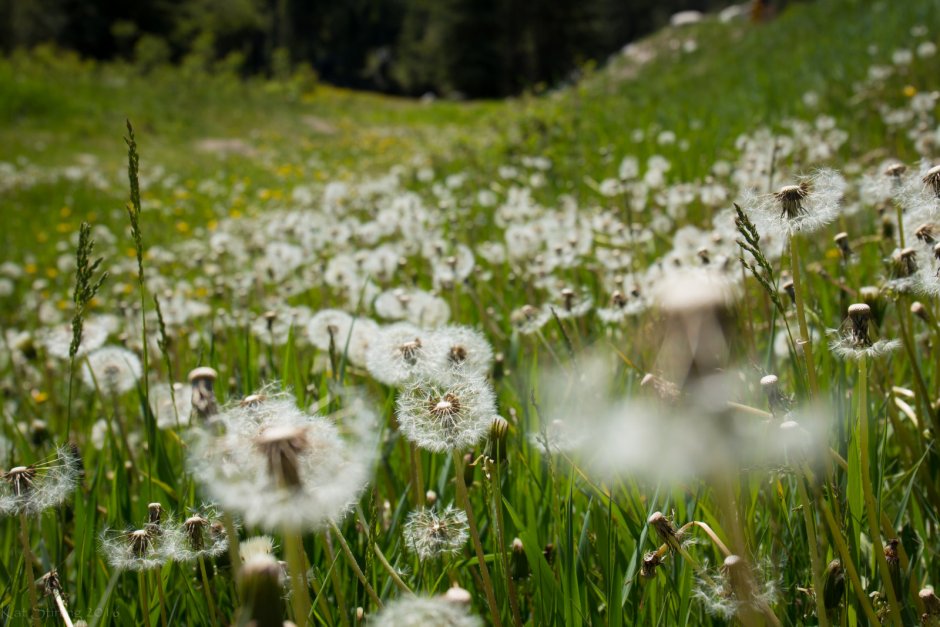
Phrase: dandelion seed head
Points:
(116, 370)
(398, 354)
(446, 413)
(417, 611)
(280, 467)
(431, 534)
(33, 489)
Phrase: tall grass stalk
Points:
(297, 567)
(806, 340)
(30, 575)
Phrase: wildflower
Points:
(399, 353)
(33, 489)
(452, 413)
(279, 466)
(806, 206)
(112, 369)
(778, 401)
(855, 340)
(417, 611)
(431, 534)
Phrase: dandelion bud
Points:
(498, 366)
(833, 586)
(496, 445)
(139, 542)
(932, 180)
(203, 400)
(842, 241)
(281, 445)
(518, 563)
(775, 398)
(38, 432)
(194, 527)
(664, 528)
(904, 263)
(887, 228)
(918, 309)
(931, 601)
(896, 170)
(651, 561)
(154, 514)
(894, 563)
(259, 583)
(457, 595)
(787, 287)
(549, 553)
(926, 233)
(468, 469)
(859, 315)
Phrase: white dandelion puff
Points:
(431, 534)
(280, 467)
(416, 611)
(399, 353)
(806, 206)
(444, 414)
(35, 488)
(460, 350)
(115, 370)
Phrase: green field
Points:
(566, 259)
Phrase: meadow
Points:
(653, 347)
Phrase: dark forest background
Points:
(469, 48)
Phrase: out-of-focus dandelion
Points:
(425, 612)
(112, 369)
(37, 487)
(201, 381)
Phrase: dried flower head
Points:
(140, 549)
(203, 401)
(447, 413)
(735, 588)
(431, 534)
(809, 204)
(854, 338)
(203, 537)
(35, 488)
(460, 350)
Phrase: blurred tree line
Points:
(472, 48)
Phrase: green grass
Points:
(583, 536)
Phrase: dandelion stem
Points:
(334, 577)
(870, 505)
(233, 554)
(391, 571)
(801, 317)
(814, 558)
(464, 501)
(208, 589)
(843, 550)
(355, 565)
(161, 596)
(500, 534)
(144, 596)
(297, 565)
(30, 576)
(63, 611)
